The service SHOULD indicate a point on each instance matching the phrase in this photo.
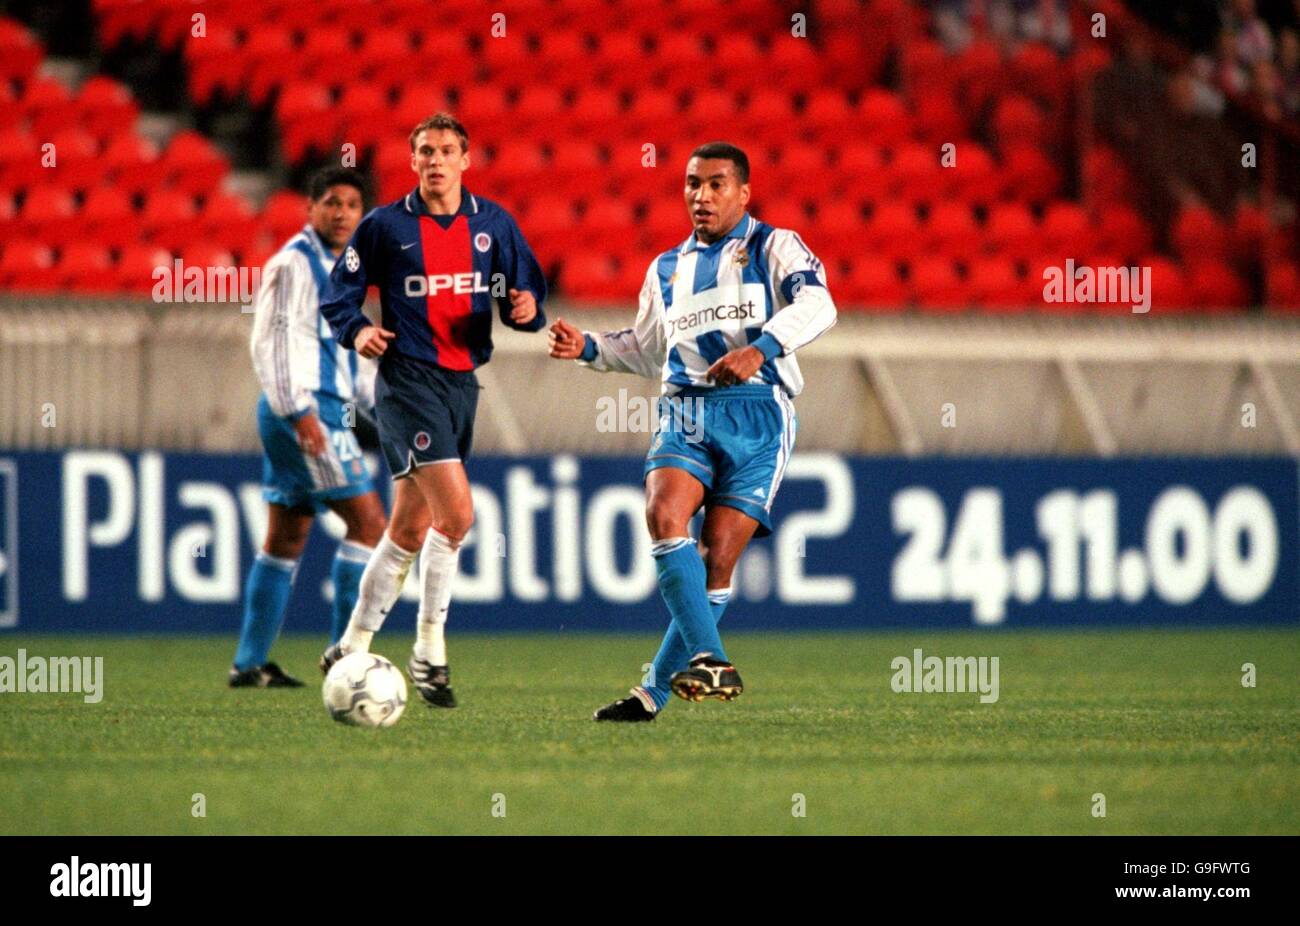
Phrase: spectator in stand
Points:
(1254, 38)
(1289, 71)
(957, 22)
(1230, 75)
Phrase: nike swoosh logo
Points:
(411, 245)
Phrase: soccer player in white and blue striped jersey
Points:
(310, 390)
(719, 321)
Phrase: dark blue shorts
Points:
(425, 413)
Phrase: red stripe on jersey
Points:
(446, 257)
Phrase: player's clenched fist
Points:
(565, 341)
(311, 437)
(736, 366)
(523, 306)
(371, 341)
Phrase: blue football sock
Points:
(265, 597)
(349, 563)
(673, 655)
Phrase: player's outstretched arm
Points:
(638, 350)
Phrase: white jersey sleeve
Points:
(640, 349)
(804, 309)
(284, 345)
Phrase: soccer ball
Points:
(364, 690)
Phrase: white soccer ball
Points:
(364, 690)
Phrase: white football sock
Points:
(438, 561)
(381, 584)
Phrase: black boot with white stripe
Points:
(707, 677)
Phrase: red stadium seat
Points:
(1018, 119)
(1199, 234)
(77, 164)
(1215, 287)
(1249, 233)
(1169, 287)
(781, 213)
(993, 283)
(1028, 175)
(192, 163)
(49, 214)
(20, 52)
(973, 176)
(915, 174)
(1066, 232)
(653, 114)
(861, 169)
(892, 231)
(606, 221)
(27, 266)
(108, 217)
(106, 107)
(980, 74)
(227, 219)
(873, 281)
(768, 110)
(537, 108)
(20, 159)
(594, 108)
(135, 267)
(828, 113)
(1040, 70)
(1011, 231)
(48, 105)
(1120, 229)
(934, 283)
(951, 230)
(938, 121)
(131, 164)
(86, 267)
(284, 213)
(706, 110)
(217, 63)
(169, 218)
(882, 117)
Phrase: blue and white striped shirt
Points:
(757, 286)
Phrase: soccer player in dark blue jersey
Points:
(443, 260)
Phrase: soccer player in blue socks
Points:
(311, 459)
(720, 318)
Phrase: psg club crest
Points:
(351, 259)
(482, 242)
(422, 440)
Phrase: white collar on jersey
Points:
(468, 203)
(315, 242)
(742, 229)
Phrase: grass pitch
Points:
(1158, 722)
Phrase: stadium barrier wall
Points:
(124, 375)
(107, 541)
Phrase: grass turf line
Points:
(1158, 721)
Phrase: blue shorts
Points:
(736, 440)
(425, 412)
(295, 479)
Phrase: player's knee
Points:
(719, 565)
(286, 544)
(407, 536)
(663, 522)
(367, 530)
(454, 525)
